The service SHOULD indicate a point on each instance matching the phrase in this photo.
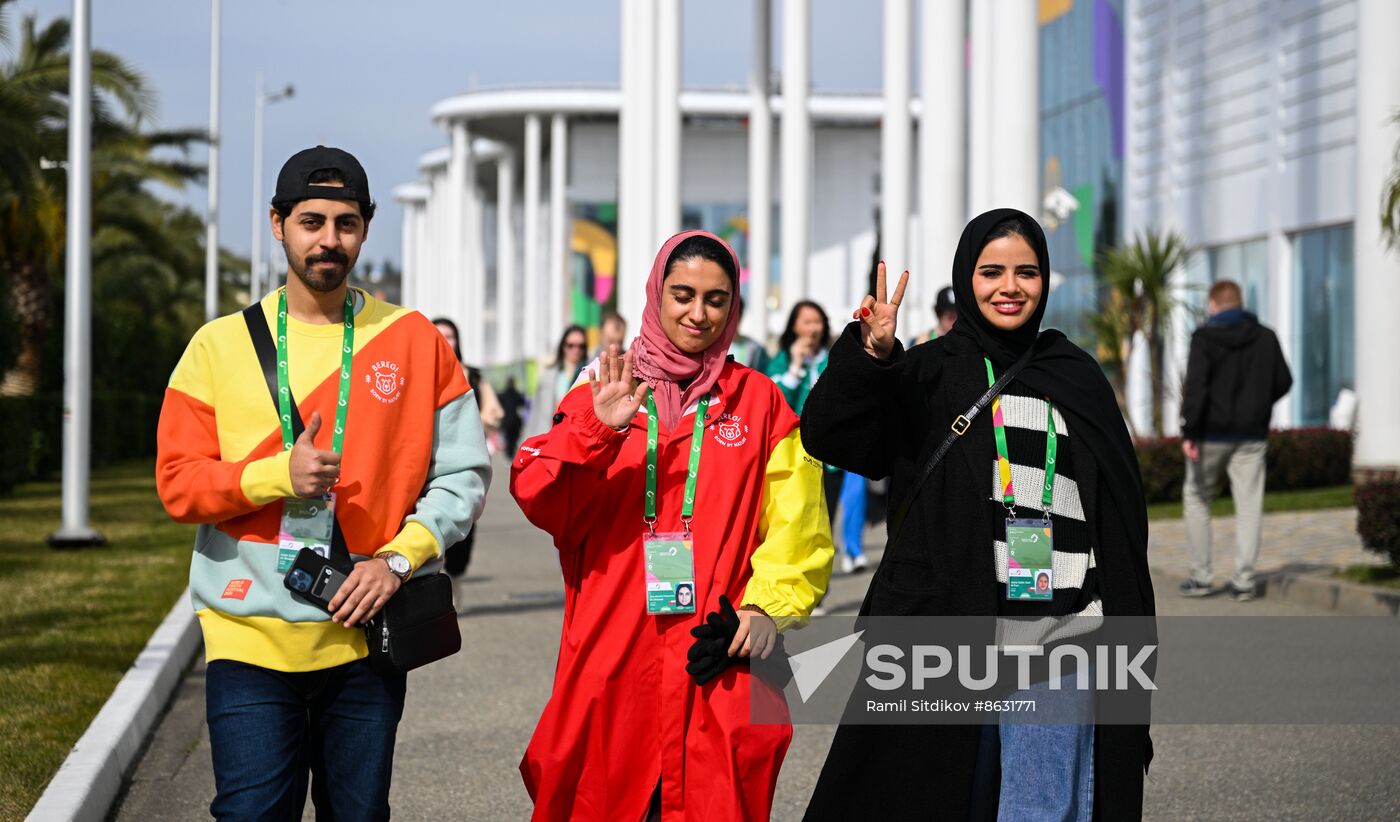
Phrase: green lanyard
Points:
(1008, 493)
(284, 392)
(697, 437)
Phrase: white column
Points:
(797, 152)
(423, 276)
(507, 301)
(669, 123)
(1013, 127)
(897, 150)
(473, 292)
(636, 157)
(942, 157)
(560, 225)
(535, 327)
(980, 107)
(1376, 268)
(754, 323)
(430, 283)
(453, 266)
(408, 265)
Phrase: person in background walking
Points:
(945, 310)
(611, 331)
(1054, 447)
(801, 358)
(1235, 373)
(555, 381)
(512, 418)
(459, 554)
(650, 712)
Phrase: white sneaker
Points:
(860, 563)
(847, 565)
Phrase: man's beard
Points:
(317, 278)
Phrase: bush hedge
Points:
(123, 427)
(1378, 516)
(1298, 458)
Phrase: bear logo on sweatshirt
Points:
(386, 384)
(731, 431)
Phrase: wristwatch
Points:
(398, 565)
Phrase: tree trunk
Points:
(33, 298)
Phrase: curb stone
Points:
(1320, 589)
(89, 779)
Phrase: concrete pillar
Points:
(980, 107)
(461, 172)
(532, 301)
(408, 253)
(636, 157)
(560, 224)
(667, 219)
(1376, 267)
(1008, 98)
(754, 323)
(896, 145)
(942, 147)
(471, 299)
(797, 152)
(507, 300)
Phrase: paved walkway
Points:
(1291, 541)
(469, 717)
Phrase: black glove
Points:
(709, 654)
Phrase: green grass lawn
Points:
(72, 622)
(1385, 576)
(1311, 499)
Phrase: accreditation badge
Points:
(306, 523)
(670, 573)
(1030, 545)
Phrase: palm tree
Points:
(1390, 198)
(33, 137)
(1139, 277)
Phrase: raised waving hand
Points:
(878, 315)
(615, 398)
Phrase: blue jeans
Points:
(853, 503)
(1047, 771)
(269, 730)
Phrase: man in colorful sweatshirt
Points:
(289, 688)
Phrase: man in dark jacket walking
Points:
(1234, 375)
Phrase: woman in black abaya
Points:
(881, 411)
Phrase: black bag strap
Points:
(267, 358)
(959, 427)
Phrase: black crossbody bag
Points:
(959, 427)
(418, 624)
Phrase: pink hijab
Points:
(659, 362)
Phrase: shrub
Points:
(1298, 458)
(123, 428)
(1378, 516)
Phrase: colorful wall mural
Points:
(1081, 144)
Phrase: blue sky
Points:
(366, 72)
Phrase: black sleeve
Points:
(853, 412)
(1283, 377)
(1193, 390)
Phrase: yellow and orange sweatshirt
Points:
(414, 471)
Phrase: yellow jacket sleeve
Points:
(792, 563)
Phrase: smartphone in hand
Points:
(314, 579)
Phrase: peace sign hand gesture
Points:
(878, 316)
(615, 399)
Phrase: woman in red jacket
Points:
(734, 514)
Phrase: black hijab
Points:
(1058, 369)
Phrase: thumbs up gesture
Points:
(313, 471)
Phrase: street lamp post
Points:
(255, 262)
(77, 341)
(211, 226)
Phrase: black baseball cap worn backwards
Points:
(292, 185)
